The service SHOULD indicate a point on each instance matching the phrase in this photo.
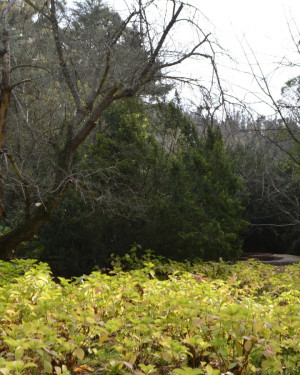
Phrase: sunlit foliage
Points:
(176, 318)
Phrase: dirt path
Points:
(274, 259)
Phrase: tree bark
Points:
(26, 230)
(4, 105)
(5, 92)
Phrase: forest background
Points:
(98, 153)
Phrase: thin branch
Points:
(266, 90)
(89, 191)
(274, 225)
(187, 55)
(37, 9)
(92, 121)
(290, 155)
(63, 64)
(145, 77)
(154, 56)
(144, 17)
(23, 182)
(29, 66)
(20, 83)
(5, 11)
(95, 93)
(296, 43)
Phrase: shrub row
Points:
(209, 318)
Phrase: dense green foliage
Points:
(174, 318)
(154, 181)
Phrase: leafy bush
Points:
(158, 183)
(207, 319)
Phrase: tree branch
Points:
(92, 121)
(155, 54)
(37, 9)
(266, 90)
(63, 64)
(187, 55)
(23, 182)
(19, 83)
(96, 92)
(29, 66)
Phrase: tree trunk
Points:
(5, 92)
(4, 105)
(26, 230)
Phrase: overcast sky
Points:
(259, 27)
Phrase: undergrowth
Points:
(156, 318)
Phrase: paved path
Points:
(274, 259)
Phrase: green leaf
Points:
(79, 353)
(19, 353)
(188, 371)
(147, 369)
(232, 365)
(211, 371)
(248, 346)
(47, 366)
(30, 364)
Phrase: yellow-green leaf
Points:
(79, 353)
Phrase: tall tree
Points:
(79, 62)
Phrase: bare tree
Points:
(270, 166)
(5, 86)
(67, 68)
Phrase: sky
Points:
(260, 29)
(251, 32)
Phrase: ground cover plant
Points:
(164, 318)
